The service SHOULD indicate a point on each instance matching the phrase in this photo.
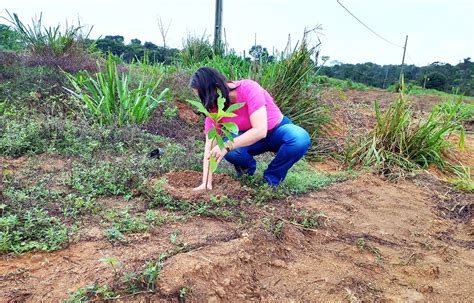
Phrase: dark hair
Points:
(207, 80)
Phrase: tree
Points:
(163, 30)
(258, 53)
(436, 80)
(135, 42)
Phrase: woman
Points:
(262, 127)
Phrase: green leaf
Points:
(231, 127)
(225, 115)
(212, 164)
(212, 133)
(199, 107)
(214, 117)
(220, 142)
(227, 134)
(220, 104)
(234, 107)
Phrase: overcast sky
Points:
(438, 30)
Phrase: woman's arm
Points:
(206, 173)
(258, 120)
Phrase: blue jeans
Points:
(290, 142)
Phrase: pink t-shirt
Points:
(254, 97)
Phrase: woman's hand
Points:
(217, 153)
(203, 187)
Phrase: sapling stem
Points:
(209, 165)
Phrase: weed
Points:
(363, 245)
(174, 236)
(114, 234)
(113, 262)
(75, 206)
(463, 180)
(307, 219)
(31, 229)
(120, 177)
(274, 226)
(195, 50)
(183, 292)
(122, 222)
(51, 41)
(170, 113)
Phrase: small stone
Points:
(279, 263)
(226, 282)
(213, 299)
(220, 291)
(35, 258)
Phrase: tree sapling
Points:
(226, 128)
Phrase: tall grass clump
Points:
(47, 41)
(195, 50)
(289, 82)
(400, 142)
(110, 98)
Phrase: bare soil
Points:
(181, 185)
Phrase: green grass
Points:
(401, 143)
(328, 82)
(47, 41)
(110, 98)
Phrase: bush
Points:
(288, 81)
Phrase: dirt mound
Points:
(181, 183)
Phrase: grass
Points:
(111, 100)
(47, 41)
(328, 82)
(124, 283)
(400, 143)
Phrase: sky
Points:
(438, 30)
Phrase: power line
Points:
(366, 26)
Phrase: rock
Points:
(220, 291)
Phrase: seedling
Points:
(226, 128)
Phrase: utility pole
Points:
(403, 59)
(385, 80)
(218, 28)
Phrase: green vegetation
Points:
(47, 41)
(228, 129)
(124, 283)
(436, 77)
(97, 156)
(109, 98)
(400, 142)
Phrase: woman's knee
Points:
(300, 139)
(233, 156)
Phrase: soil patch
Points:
(181, 183)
